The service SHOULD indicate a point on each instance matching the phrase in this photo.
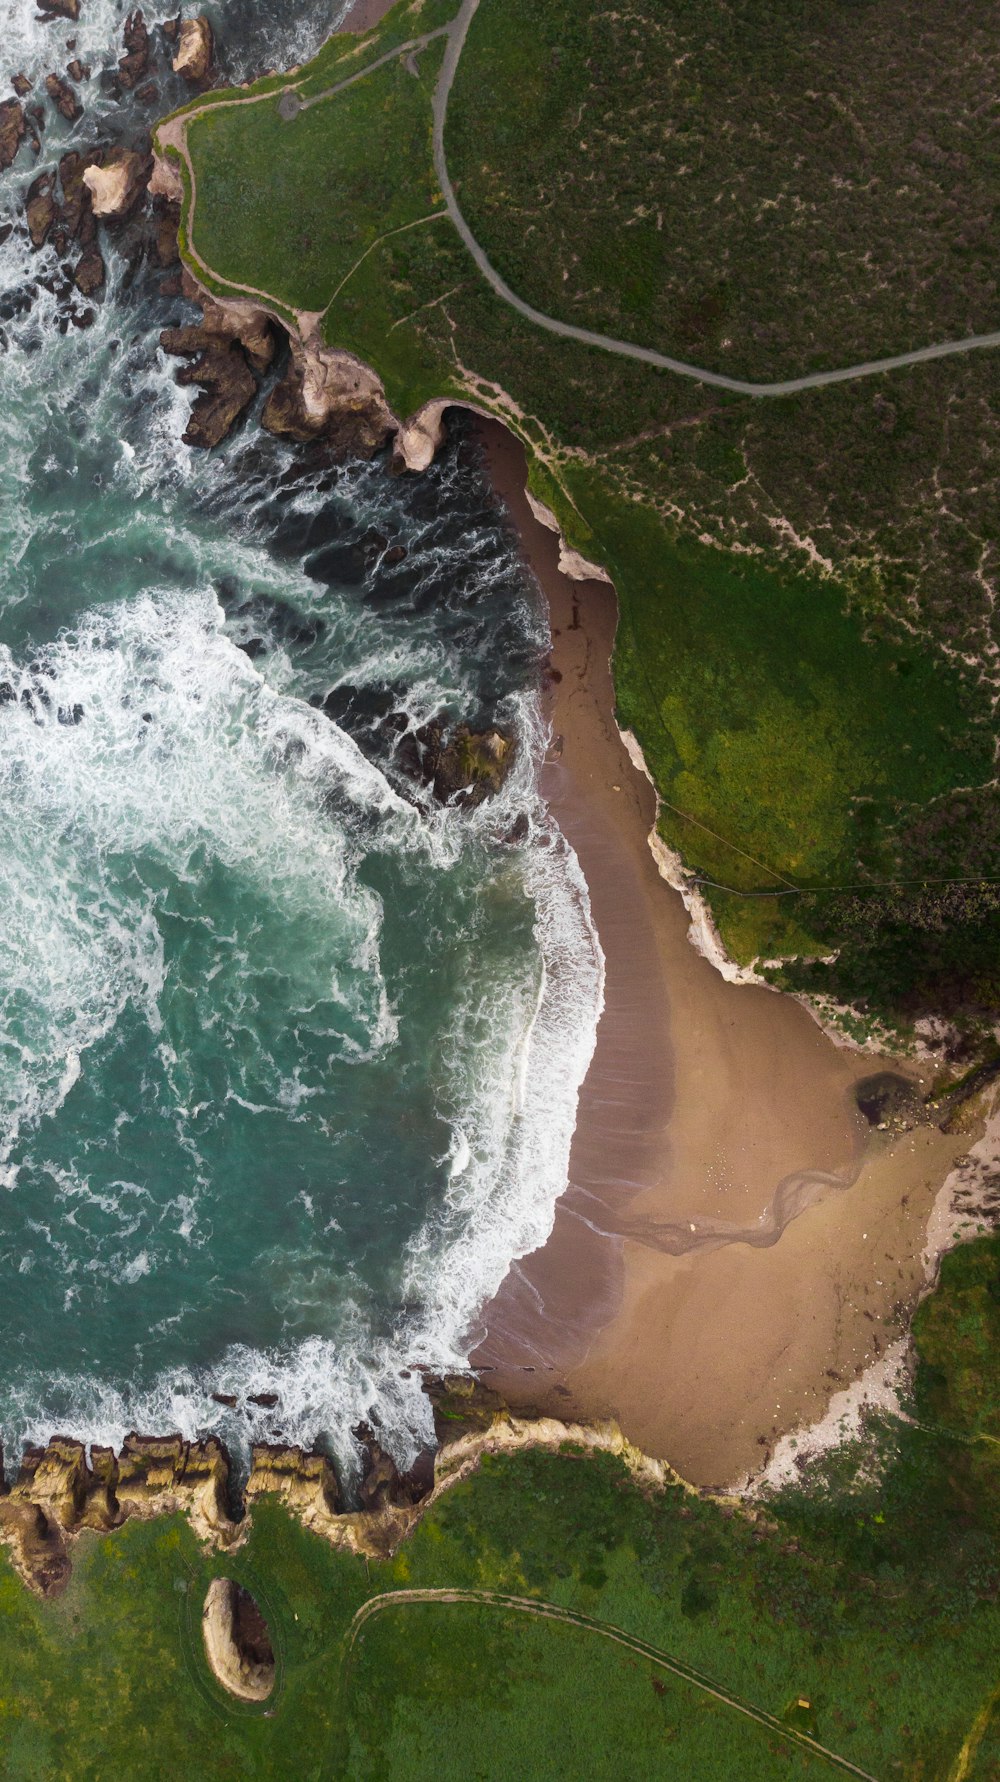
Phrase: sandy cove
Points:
(668, 1295)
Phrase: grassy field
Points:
(872, 1591)
(766, 194)
(810, 636)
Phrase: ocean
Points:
(289, 1053)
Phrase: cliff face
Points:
(58, 1494)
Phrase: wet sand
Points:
(364, 15)
(669, 1294)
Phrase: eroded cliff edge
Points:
(59, 1494)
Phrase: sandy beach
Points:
(734, 1245)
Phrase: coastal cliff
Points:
(59, 1494)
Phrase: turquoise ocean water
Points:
(289, 1056)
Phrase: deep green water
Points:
(288, 1058)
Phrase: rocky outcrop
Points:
(228, 345)
(161, 1475)
(195, 48)
(88, 273)
(117, 183)
(58, 9)
(237, 1644)
(133, 66)
(459, 765)
(63, 98)
(40, 208)
(21, 85)
(57, 1494)
(306, 1483)
(419, 439)
(12, 129)
(76, 213)
(332, 396)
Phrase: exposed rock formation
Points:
(382, 1484)
(76, 213)
(237, 1643)
(194, 50)
(63, 98)
(420, 438)
(225, 344)
(458, 764)
(21, 85)
(12, 128)
(40, 208)
(133, 66)
(58, 9)
(88, 273)
(118, 183)
(160, 1475)
(330, 395)
(307, 1483)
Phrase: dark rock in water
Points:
(70, 714)
(891, 1103)
(78, 71)
(224, 347)
(167, 224)
(382, 1483)
(133, 66)
(21, 85)
(59, 9)
(6, 229)
(394, 554)
(228, 388)
(262, 612)
(225, 1398)
(7, 694)
(266, 1400)
(63, 98)
(12, 128)
(75, 210)
(88, 273)
(149, 93)
(83, 318)
(362, 711)
(170, 28)
(458, 764)
(40, 208)
(171, 286)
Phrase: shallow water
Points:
(288, 1056)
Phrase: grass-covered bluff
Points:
(872, 1593)
(807, 650)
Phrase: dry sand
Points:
(669, 1295)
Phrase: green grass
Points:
(805, 584)
(872, 1590)
(319, 197)
(766, 194)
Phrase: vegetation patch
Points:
(808, 585)
(870, 1593)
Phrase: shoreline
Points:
(733, 1247)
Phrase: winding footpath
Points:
(173, 134)
(546, 1611)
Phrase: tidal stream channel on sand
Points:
(290, 1049)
